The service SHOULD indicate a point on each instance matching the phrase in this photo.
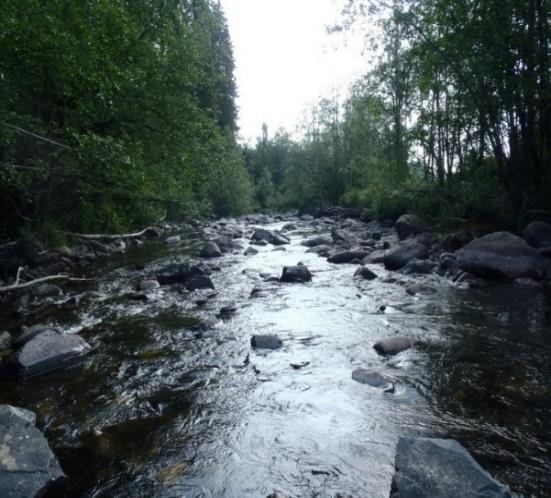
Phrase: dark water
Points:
(160, 409)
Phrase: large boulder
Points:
(28, 467)
(401, 254)
(347, 256)
(271, 236)
(210, 250)
(266, 342)
(365, 273)
(318, 240)
(440, 468)
(408, 225)
(501, 255)
(298, 273)
(538, 234)
(49, 350)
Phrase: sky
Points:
(286, 61)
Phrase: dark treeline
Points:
(113, 112)
(453, 121)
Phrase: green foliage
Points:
(115, 111)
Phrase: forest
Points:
(115, 113)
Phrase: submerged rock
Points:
(298, 273)
(210, 250)
(49, 350)
(440, 468)
(347, 256)
(266, 342)
(408, 225)
(196, 282)
(501, 255)
(373, 379)
(400, 255)
(394, 345)
(28, 467)
(365, 273)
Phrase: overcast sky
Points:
(285, 60)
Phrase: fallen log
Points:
(61, 276)
(107, 236)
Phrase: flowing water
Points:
(161, 408)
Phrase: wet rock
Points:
(394, 345)
(418, 267)
(259, 242)
(440, 468)
(289, 226)
(5, 341)
(196, 282)
(374, 257)
(226, 244)
(319, 240)
(400, 255)
(298, 366)
(27, 333)
(28, 467)
(46, 351)
(149, 285)
(251, 251)
(228, 309)
(419, 288)
(178, 273)
(457, 240)
(271, 236)
(347, 256)
(365, 273)
(175, 239)
(298, 273)
(538, 234)
(266, 342)
(408, 225)
(210, 250)
(447, 262)
(323, 251)
(46, 290)
(501, 255)
(373, 379)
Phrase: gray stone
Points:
(538, 234)
(28, 467)
(210, 250)
(400, 255)
(49, 350)
(373, 379)
(347, 256)
(394, 345)
(501, 255)
(27, 333)
(440, 468)
(365, 273)
(298, 273)
(251, 251)
(408, 225)
(271, 236)
(266, 342)
(196, 282)
(319, 240)
(374, 257)
(418, 267)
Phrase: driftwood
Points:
(16, 285)
(107, 236)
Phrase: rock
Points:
(347, 256)
(408, 225)
(46, 290)
(447, 262)
(394, 345)
(400, 255)
(338, 236)
(178, 273)
(28, 467)
(27, 333)
(528, 282)
(5, 341)
(440, 468)
(373, 379)
(538, 234)
(417, 266)
(501, 255)
(148, 285)
(365, 273)
(289, 226)
(272, 236)
(251, 251)
(419, 288)
(210, 250)
(226, 244)
(266, 342)
(64, 251)
(49, 350)
(298, 273)
(319, 240)
(228, 309)
(457, 240)
(175, 239)
(374, 257)
(196, 282)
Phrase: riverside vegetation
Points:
(333, 352)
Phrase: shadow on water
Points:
(173, 402)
